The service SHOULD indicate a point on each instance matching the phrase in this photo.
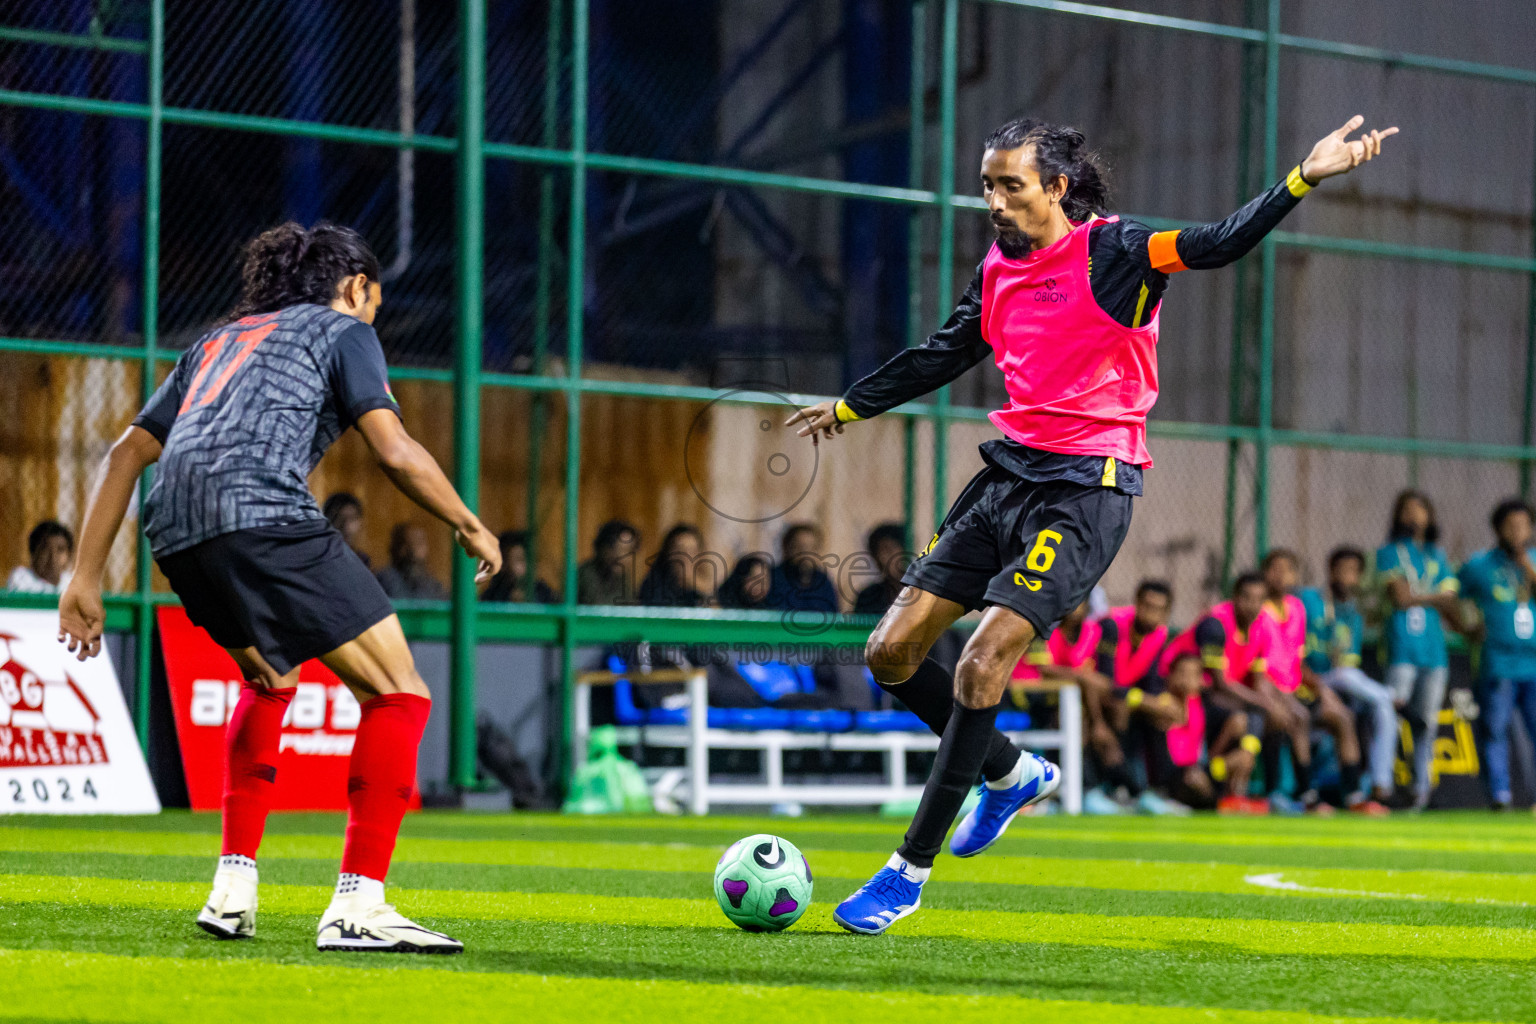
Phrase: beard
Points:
(1012, 242)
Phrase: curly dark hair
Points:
(290, 265)
(1057, 150)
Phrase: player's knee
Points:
(982, 674)
(890, 661)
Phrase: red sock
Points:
(380, 780)
(250, 766)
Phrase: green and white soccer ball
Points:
(763, 883)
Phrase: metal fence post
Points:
(948, 72)
(466, 378)
(916, 95)
(144, 621)
(575, 310)
(1528, 408)
(1267, 255)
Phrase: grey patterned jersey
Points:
(248, 412)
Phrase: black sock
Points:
(1121, 775)
(1303, 775)
(1349, 779)
(955, 769)
(930, 695)
(1271, 756)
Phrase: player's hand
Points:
(818, 420)
(481, 543)
(1336, 154)
(81, 619)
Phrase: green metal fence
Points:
(1251, 435)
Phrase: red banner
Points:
(317, 735)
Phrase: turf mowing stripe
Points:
(1259, 937)
(1136, 875)
(939, 893)
(62, 986)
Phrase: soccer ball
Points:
(763, 884)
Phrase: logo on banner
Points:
(318, 731)
(66, 743)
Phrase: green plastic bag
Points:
(609, 783)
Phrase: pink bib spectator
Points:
(1133, 663)
(1243, 653)
(1288, 642)
(1061, 652)
(1079, 382)
(1185, 741)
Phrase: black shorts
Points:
(292, 592)
(1036, 547)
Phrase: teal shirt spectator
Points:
(1415, 636)
(1334, 632)
(1496, 584)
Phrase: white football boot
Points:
(373, 926)
(231, 909)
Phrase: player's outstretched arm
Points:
(412, 469)
(81, 615)
(910, 374)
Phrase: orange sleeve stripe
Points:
(1164, 253)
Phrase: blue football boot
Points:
(882, 901)
(985, 825)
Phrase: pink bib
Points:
(1244, 653)
(1064, 653)
(1185, 741)
(1288, 639)
(1133, 663)
(1078, 381)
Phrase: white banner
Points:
(66, 743)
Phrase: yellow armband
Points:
(1296, 184)
(1251, 743)
(1219, 769)
(1134, 697)
(843, 413)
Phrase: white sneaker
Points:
(377, 928)
(231, 909)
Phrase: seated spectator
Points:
(1209, 748)
(672, 580)
(1074, 653)
(1130, 641)
(1305, 696)
(608, 577)
(345, 513)
(799, 582)
(511, 584)
(888, 547)
(407, 577)
(1334, 634)
(1499, 582)
(1234, 640)
(50, 548)
(1421, 589)
(748, 584)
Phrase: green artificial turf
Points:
(1153, 921)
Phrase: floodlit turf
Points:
(1152, 921)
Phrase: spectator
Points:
(888, 547)
(1421, 589)
(748, 584)
(1130, 641)
(51, 548)
(407, 576)
(1304, 693)
(1334, 631)
(1500, 582)
(799, 582)
(1210, 749)
(511, 584)
(608, 577)
(345, 513)
(1234, 640)
(671, 581)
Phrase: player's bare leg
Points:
(250, 776)
(378, 668)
